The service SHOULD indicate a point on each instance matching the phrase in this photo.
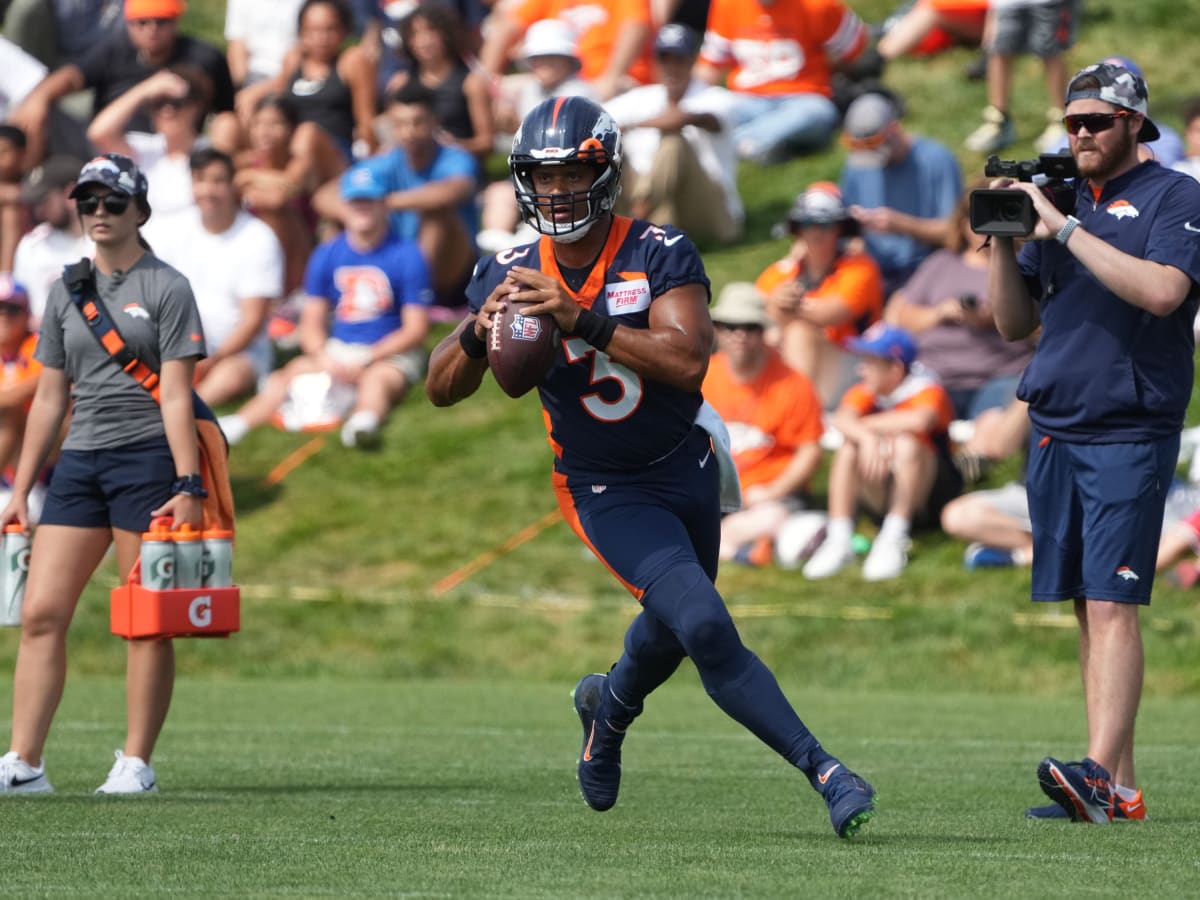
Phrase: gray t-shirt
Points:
(153, 308)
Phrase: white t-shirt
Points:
(169, 177)
(714, 150)
(1189, 166)
(268, 30)
(41, 255)
(224, 269)
(19, 74)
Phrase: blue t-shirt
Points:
(603, 416)
(926, 183)
(1106, 371)
(368, 290)
(397, 174)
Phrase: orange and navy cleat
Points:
(1083, 789)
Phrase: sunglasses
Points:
(114, 204)
(175, 103)
(1094, 122)
(745, 328)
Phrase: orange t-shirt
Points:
(783, 47)
(914, 392)
(854, 281)
(20, 367)
(598, 24)
(768, 418)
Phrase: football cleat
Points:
(1133, 810)
(1083, 789)
(851, 800)
(599, 770)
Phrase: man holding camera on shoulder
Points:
(1115, 289)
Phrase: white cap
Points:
(550, 37)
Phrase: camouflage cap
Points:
(1119, 86)
(120, 173)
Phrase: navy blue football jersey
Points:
(601, 415)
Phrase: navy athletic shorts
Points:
(1097, 513)
(114, 488)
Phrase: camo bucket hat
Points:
(1120, 87)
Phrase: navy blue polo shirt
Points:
(1106, 371)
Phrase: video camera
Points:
(1007, 213)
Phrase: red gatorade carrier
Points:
(153, 610)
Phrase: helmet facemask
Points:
(539, 210)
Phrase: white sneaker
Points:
(834, 554)
(129, 775)
(996, 133)
(19, 777)
(887, 559)
(1054, 136)
(361, 430)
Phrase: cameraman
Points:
(1114, 288)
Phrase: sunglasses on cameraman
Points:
(1093, 122)
(114, 204)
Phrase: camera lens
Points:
(1009, 210)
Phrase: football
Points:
(521, 349)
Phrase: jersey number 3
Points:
(603, 368)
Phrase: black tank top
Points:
(450, 103)
(326, 102)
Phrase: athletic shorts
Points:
(1046, 29)
(1097, 512)
(113, 488)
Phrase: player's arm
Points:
(674, 350)
(457, 364)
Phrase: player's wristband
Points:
(472, 345)
(594, 328)
(1064, 233)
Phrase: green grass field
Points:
(367, 734)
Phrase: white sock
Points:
(234, 427)
(894, 526)
(840, 529)
(1125, 793)
(363, 420)
(1021, 557)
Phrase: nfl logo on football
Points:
(526, 328)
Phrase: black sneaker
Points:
(600, 759)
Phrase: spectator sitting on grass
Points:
(895, 456)
(375, 285)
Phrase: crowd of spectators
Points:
(320, 181)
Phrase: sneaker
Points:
(1124, 811)
(600, 759)
(831, 557)
(996, 133)
(888, 557)
(129, 775)
(850, 799)
(361, 430)
(1054, 135)
(981, 556)
(1083, 789)
(19, 777)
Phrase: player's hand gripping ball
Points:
(521, 349)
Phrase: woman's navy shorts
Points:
(116, 487)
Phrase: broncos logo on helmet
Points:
(558, 131)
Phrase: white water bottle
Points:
(14, 557)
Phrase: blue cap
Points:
(362, 182)
(677, 40)
(886, 342)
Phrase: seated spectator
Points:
(149, 42)
(18, 369)
(433, 39)
(374, 286)
(258, 36)
(20, 73)
(58, 31)
(782, 57)
(431, 193)
(14, 216)
(1191, 139)
(58, 239)
(328, 85)
(823, 292)
(287, 161)
(774, 421)
(614, 39)
(234, 264)
(944, 305)
(929, 26)
(894, 457)
(176, 101)
(900, 187)
(553, 62)
(677, 142)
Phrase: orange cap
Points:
(14, 528)
(185, 532)
(217, 534)
(160, 529)
(154, 9)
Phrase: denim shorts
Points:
(116, 487)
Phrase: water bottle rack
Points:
(139, 612)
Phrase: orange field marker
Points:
(293, 460)
(485, 559)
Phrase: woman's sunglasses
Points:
(1093, 122)
(114, 204)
